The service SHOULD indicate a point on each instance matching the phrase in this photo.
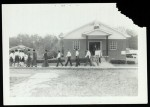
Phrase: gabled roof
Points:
(114, 29)
(94, 23)
(77, 29)
(19, 47)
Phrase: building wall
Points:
(116, 54)
(113, 54)
(68, 44)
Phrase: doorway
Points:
(93, 45)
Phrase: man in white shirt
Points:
(77, 58)
(88, 56)
(68, 58)
(59, 59)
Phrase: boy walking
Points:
(88, 56)
(68, 58)
(59, 59)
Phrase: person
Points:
(16, 58)
(68, 58)
(100, 56)
(45, 64)
(34, 63)
(11, 58)
(97, 55)
(88, 56)
(77, 58)
(59, 59)
(28, 64)
(21, 54)
(25, 59)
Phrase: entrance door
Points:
(93, 46)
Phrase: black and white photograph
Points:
(87, 53)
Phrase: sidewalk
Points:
(103, 65)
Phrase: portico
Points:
(98, 35)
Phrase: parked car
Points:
(132, 56)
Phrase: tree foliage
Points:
(133, 40)
(49, 42)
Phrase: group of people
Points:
(29, 59)
(20, 58)
(98, 55)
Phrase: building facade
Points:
(96, 35)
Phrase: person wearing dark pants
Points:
(88, 56)
(16, 58)
(59, 59)
(45, 63)
(11, 58)
(34, 61)
(29, 59)
(68, 58)
(77, 58)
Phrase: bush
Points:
(121, 62)
(117, 61)
(49, 61)
(130, 62)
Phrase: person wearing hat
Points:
(34, 63)
(59, 59)
(45, 64)
(29, 58)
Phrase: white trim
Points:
(96, 41)
(100, 30)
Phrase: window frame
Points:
(114, 45)
(76, 44)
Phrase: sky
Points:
(43, 19)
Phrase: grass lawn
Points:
(46, 83)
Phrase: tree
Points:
(131, 32)
(133, 41)
(49, 42)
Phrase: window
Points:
(76, 45)
(113, 45)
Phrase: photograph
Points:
(87, 53)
